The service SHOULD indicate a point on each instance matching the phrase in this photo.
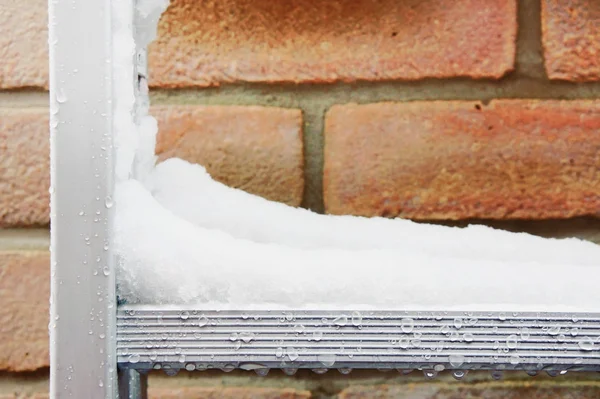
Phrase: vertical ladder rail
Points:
(83, 311)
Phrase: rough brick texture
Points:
(257, 149)
(525, 390)
(23, 44)
(24, 295)
(205, 43)
(571, 39)
(457, 160)
(24, 167)
(226, 393)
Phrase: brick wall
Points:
(442, 110)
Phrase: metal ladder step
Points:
(199, 340)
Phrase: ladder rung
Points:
(174, 339)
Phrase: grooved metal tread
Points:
(199, 340)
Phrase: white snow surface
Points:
(189, 192)
(167, 259)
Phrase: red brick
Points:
(257, 149)
(24, 295)
(23, 44)
(571, 39)
(24, 167)
(512, 159)
(514, 390)
(210, 42)
(226, 393)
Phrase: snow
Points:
(182, 238)
(190, 193)
(167, 259)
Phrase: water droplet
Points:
(497, 374)
(181, 358)
(458, 322)
(512, 341)
(586, 344)
(456, 360)
(134, 358)
(554, 330)
(468, 337)
(403, 343)
(233, 337)
(430, 374)
(317, 335)
(439, 367)
(320, 371)
(61, 96)
(514, 360)
(407, 325)
(525, 334)
(108, 202)
(262, 372)
(202, 321)
(356, 319)
(459, 374)
(279, 352)
(290, 371)
(190, 367)
(501, 317)
(292, 353)
(327, 359)
(246, 336)
(184, 315)
(340, 320)
(228, 368)
(106, 271)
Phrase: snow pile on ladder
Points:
(183, 238)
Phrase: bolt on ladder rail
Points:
(102, 350)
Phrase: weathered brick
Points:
(511, 159)
(257, 149)
(571, 39)
(23, 44)
(24, 167)
(226, 393)
(206, 43)
(515, 390)
(24, 295)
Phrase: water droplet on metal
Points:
(345, 371)
(202, 321)
(456, 360)
(407, 325)
(292, 353)
(61, 96)
(108, 202)
(586, 344)
(356, 319)
(468, 337)
(340, 320)
(458, 322)
(262, 372)
(190, 367)
(497, 374)
(327, 359)
(512, 341)
(459, 374)
(134, 358)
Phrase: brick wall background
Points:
(450, 111)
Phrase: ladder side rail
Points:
(83, 310)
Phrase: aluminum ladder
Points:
(102, 350)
